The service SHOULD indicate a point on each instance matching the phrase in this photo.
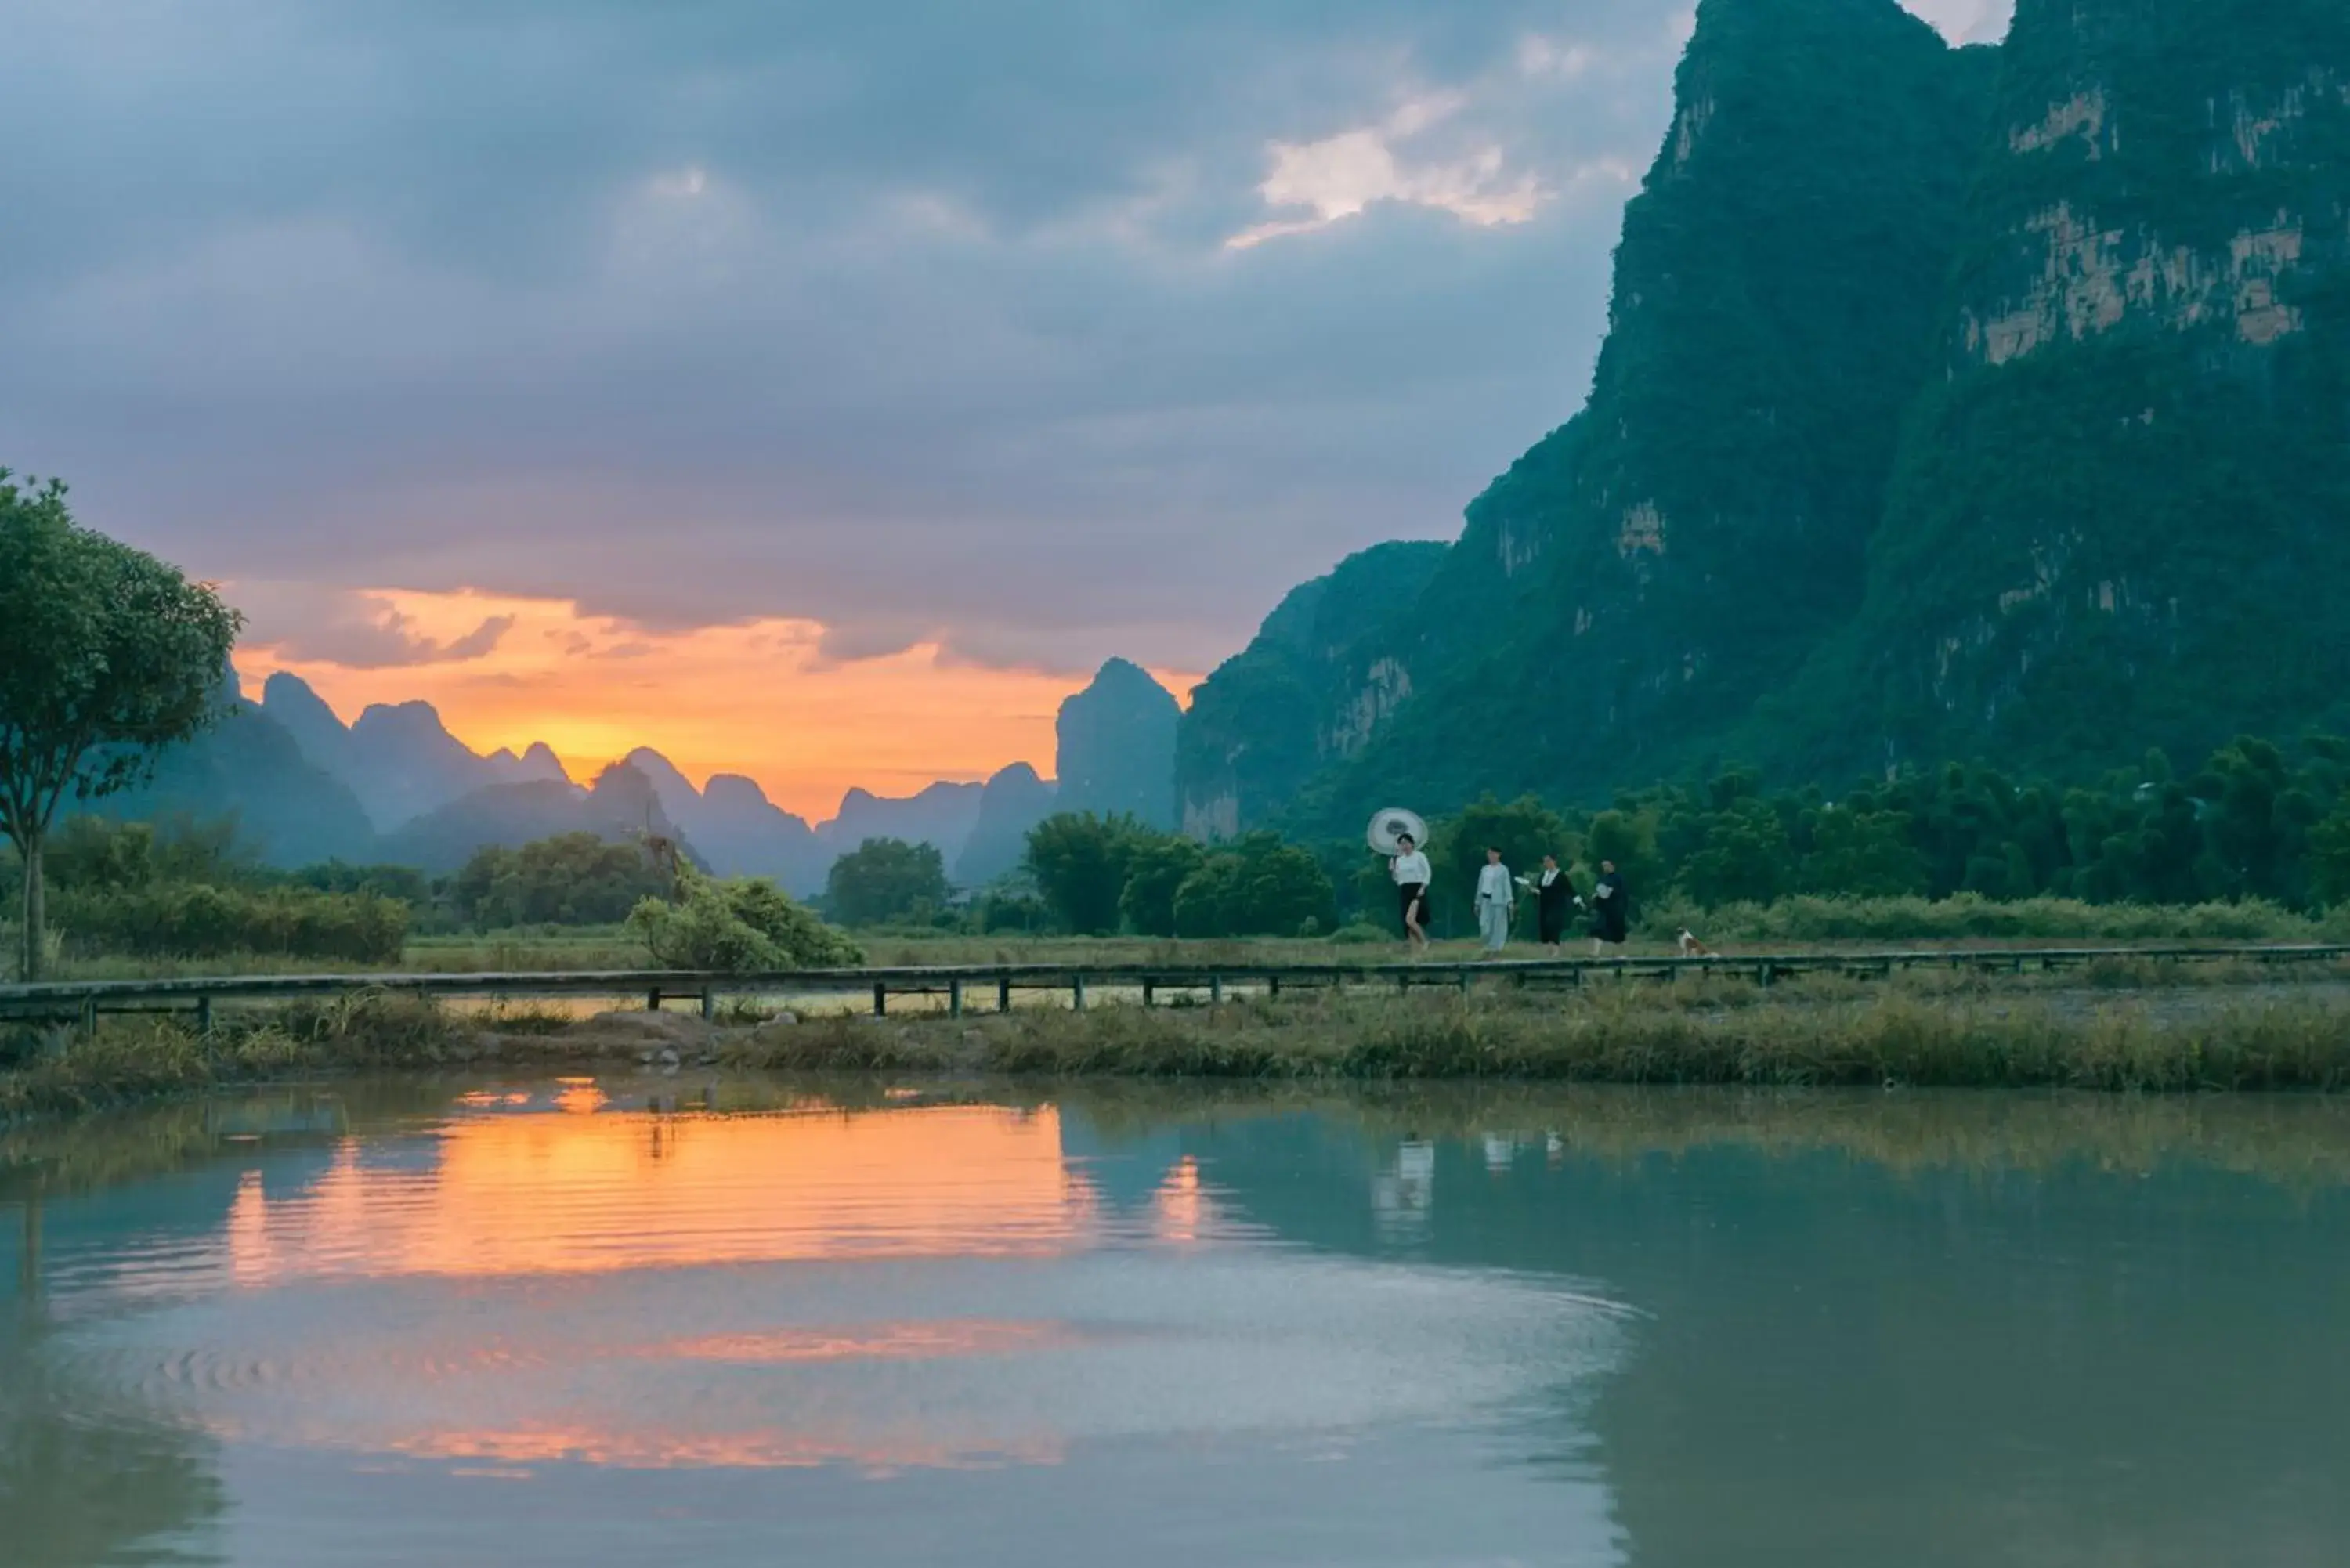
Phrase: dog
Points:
(1692, 947)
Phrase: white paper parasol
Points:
(1390, 825)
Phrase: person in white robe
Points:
(1497, 902)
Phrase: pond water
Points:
(765, 1321)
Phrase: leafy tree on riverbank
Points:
(106, 655)
(187, 890)
(740, 926)
(1258, 887)
(1155, 872)
(570, 879)
(1080, 863)
(886, 879)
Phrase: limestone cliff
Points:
(1302, 695)
(1956, 403)
(2116, 519)
(1623, 596)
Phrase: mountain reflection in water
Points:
(576, 1322)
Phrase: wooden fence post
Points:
(881, 998)
(955, 998)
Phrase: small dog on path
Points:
(1691, 947)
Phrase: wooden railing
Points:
(1150, 983)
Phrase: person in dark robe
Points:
(1554, 898)
(1611, 909)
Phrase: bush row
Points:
(199, 920)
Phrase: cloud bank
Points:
(1035, 335)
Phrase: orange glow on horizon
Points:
(757, 698)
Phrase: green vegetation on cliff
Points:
(2116, 516)
(1982, 403)
(1302, 695)
(1647, 571)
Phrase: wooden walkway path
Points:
(995, 985)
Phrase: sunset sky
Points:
(819, 393)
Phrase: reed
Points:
(1685, 1036)
(2110, 1034)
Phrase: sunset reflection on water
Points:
(560, 1192)
(611, 1306)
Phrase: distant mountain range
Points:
(395, 787)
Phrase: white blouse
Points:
(1411, 870)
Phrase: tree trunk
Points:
(35, 915)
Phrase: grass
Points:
(1936, 1030)
(1689, 1035)
(1968, 917)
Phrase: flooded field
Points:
(743, 1320)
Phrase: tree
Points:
(1629, 839)
(1862, 855)
(1259, 887)
(742, 925)
(885, 880)
(1524, 830)
(107, 656)
(1745, 858)
(2329, 856)
(569, 879)
(1079, 861)
(1156, 869)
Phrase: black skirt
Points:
(1408, 894)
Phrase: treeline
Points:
(1087, 875)
(2257, 824)
(187, 890)
(2254, 840)
(184, 890)
(2256, 820)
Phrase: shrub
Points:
(169, 919)
(1012, 912)
(742, 926)
(1974, 917)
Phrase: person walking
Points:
(1409, 870)
(1554, 893)
(1496, 903)
(1611, 909)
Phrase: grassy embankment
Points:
(2122, 1025)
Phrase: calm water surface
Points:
(773, 1322)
